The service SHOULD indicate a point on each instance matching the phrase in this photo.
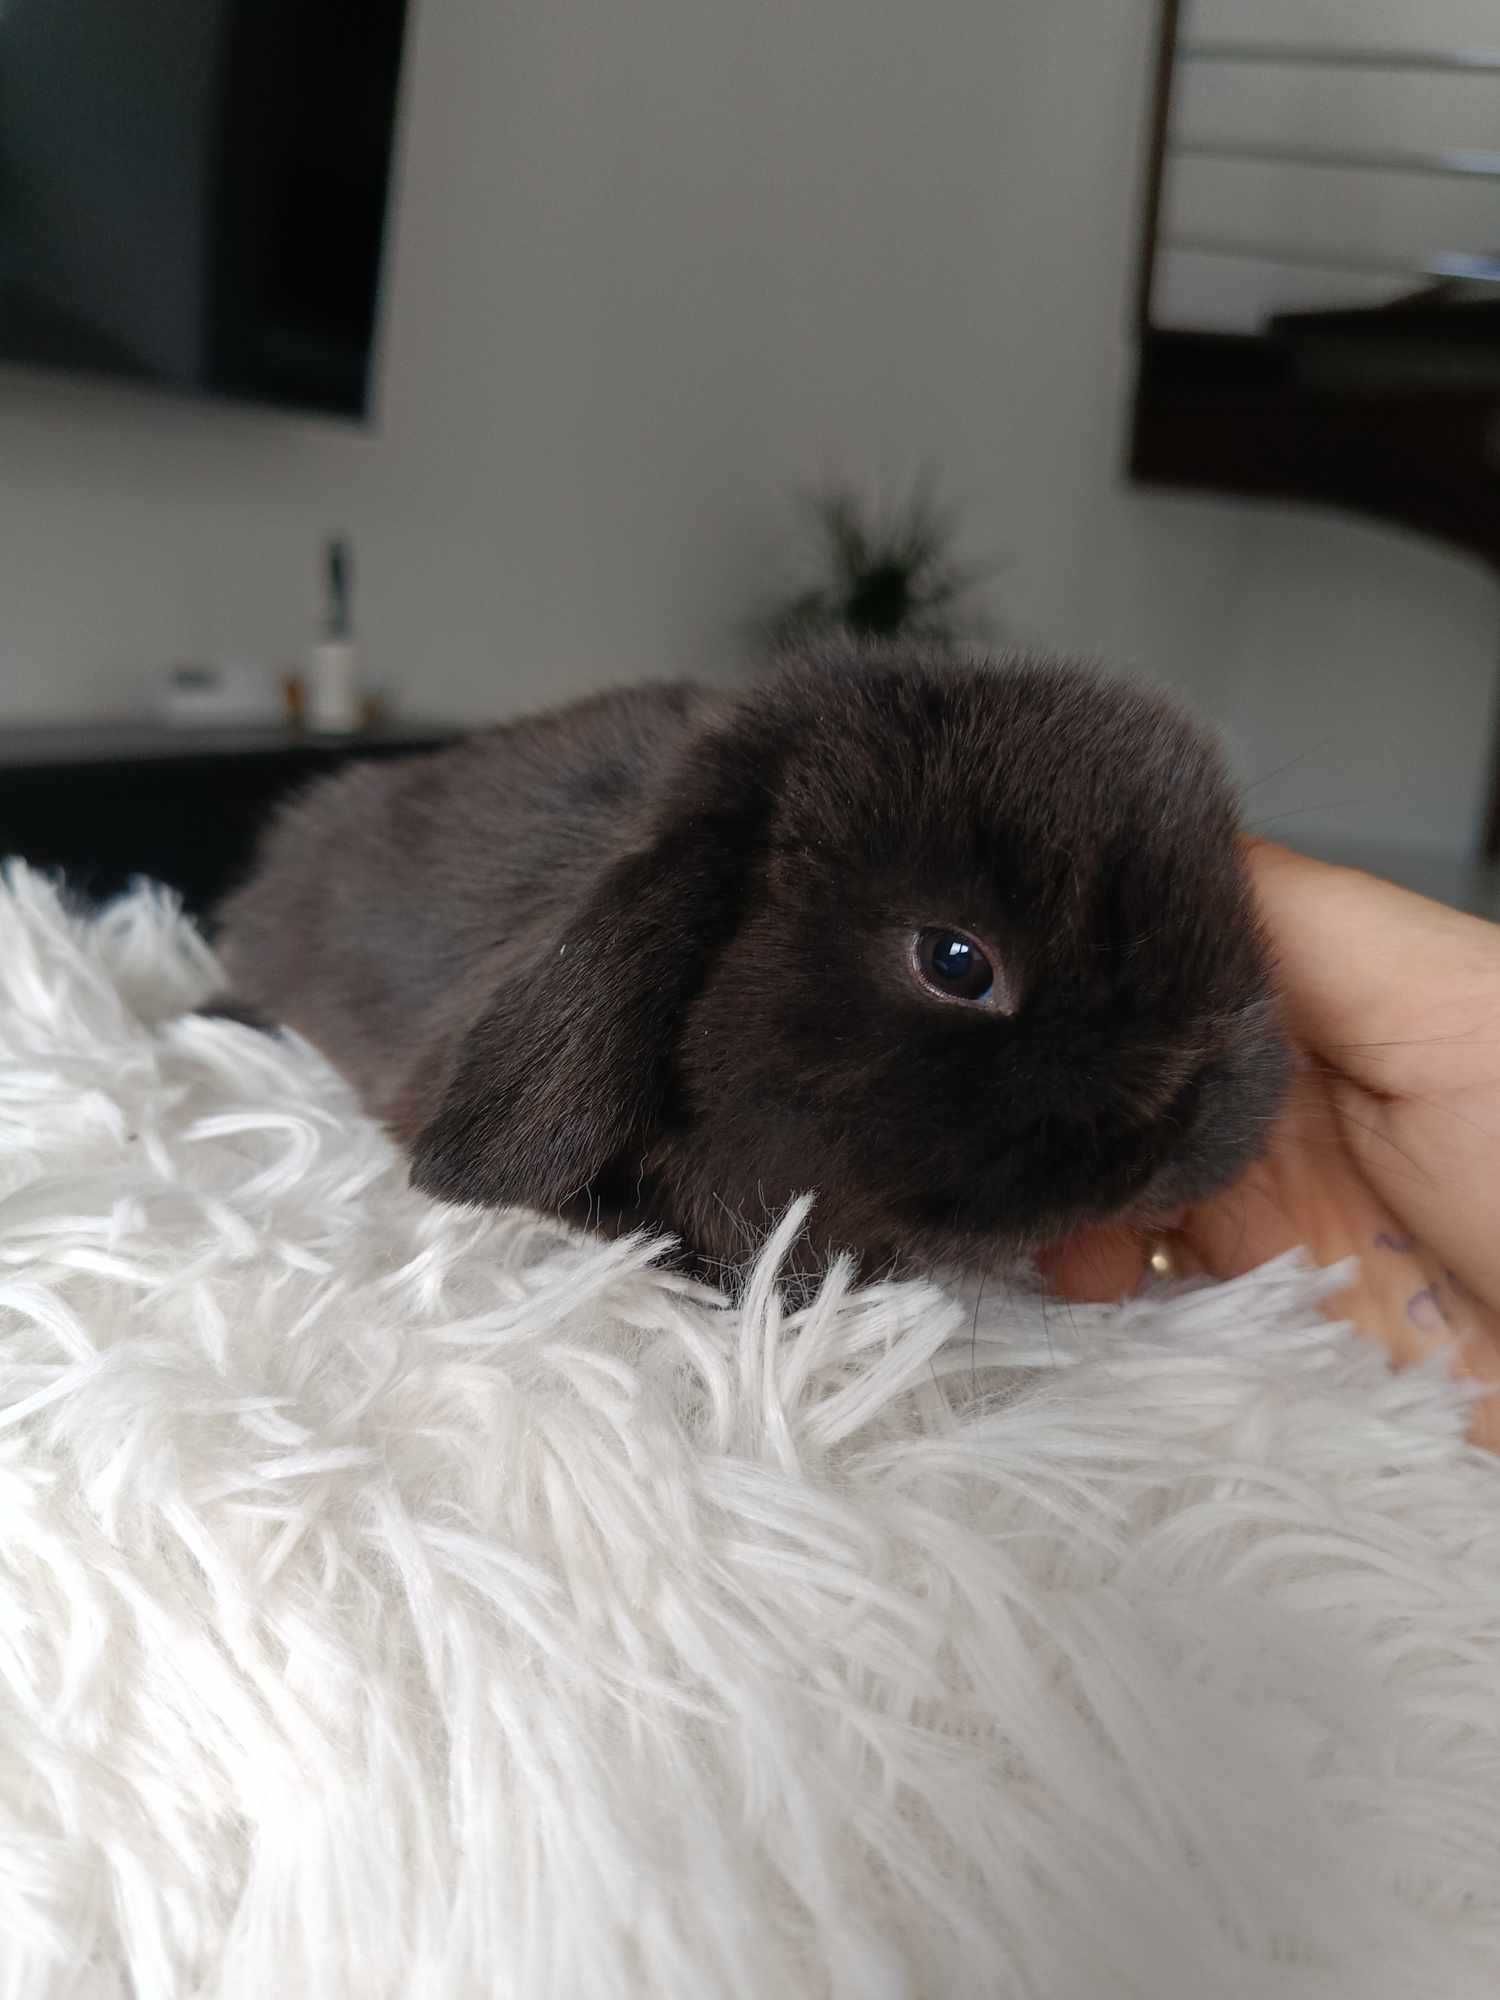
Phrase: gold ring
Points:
(1161, 1260)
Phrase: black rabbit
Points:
(967, 951)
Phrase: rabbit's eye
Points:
(953, 966)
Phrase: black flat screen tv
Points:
(193, 193)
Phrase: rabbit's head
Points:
(967, 952)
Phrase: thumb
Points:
(1396, 992)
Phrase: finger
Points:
(1441, 1160)
(1311, 1192)
(1095, 1266)
(1396, 991)
(1306, 1191)
(1387, 1296)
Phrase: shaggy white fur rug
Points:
(396, 1601)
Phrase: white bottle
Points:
(332, 701)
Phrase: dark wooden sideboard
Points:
(106, 805)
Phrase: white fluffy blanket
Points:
(396, 1601)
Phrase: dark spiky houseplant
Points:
(886, 574)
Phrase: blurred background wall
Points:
(654, 267)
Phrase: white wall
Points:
(655, 266)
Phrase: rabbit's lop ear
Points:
(569, 1065)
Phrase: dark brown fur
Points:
(643, 959)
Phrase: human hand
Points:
(1389, 1149)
